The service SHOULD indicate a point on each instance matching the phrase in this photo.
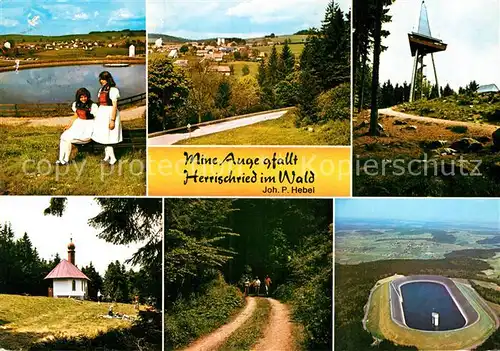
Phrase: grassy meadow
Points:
(295, 48)
(28, 320)
(27, 163)
(281, 131)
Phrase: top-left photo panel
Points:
(72, 97)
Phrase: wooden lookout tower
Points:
(423, 43)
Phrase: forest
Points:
(353, 284)
(316, 82)
(211, 246)
(120, 221)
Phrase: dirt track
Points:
(488, 128)
(278, 333)
(125, 115)
(215, 339)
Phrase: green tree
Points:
(223, 97)
(286, 61)
(95, 284)
(168, 91)
(245, 94)
(272, 67)
(245, 70)
(116, 283)
(184, 49)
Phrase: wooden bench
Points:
(134, 139)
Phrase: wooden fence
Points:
(54, 110)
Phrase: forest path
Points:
(213, 340)
(125, 115)
(278, 333)
(484, 126)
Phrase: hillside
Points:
(28, 320)
(97, 36)
(166, 38)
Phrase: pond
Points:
(420, 299)
(59, 84)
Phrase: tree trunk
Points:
(362, 83)
(376, 65)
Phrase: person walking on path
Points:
(267, 283)
(257, 285)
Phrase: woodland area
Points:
(121, 221)
(212, 245)
(317, 82)
(353, 284)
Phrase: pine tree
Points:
(261, 75)
(272, 67)
(286, 61)
(95, 284)
(223, 95)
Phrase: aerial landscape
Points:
(52, 55)
(252, 80)
(409, 276)
(423, 125)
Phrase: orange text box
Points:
(249, 171)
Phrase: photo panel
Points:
(245, 274)
(82, 274)
(73, 97)
(247, 99)
(423, 125)
(417, 274)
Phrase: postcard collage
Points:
(226, 175)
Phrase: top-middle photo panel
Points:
(249, 72)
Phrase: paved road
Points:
(169, 139)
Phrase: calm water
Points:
(420, 299)
(59, 84)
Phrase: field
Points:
(27, 157)
(24, 321)
(380, 324)
(355, 243)
(281, 131)
(296, 49)
(238, 66)
(294, 38)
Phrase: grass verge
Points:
(191, 318)
(27, 164)
(251, 331)
(281, 131)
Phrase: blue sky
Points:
(59, 17)
(425, 209)
(198, 19)
(470, 28)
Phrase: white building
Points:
(67, 279)
(131, 51)
(159, 42)
(173, 54)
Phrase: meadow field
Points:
(28, 320)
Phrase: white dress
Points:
(102, 134)
(81, 130)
